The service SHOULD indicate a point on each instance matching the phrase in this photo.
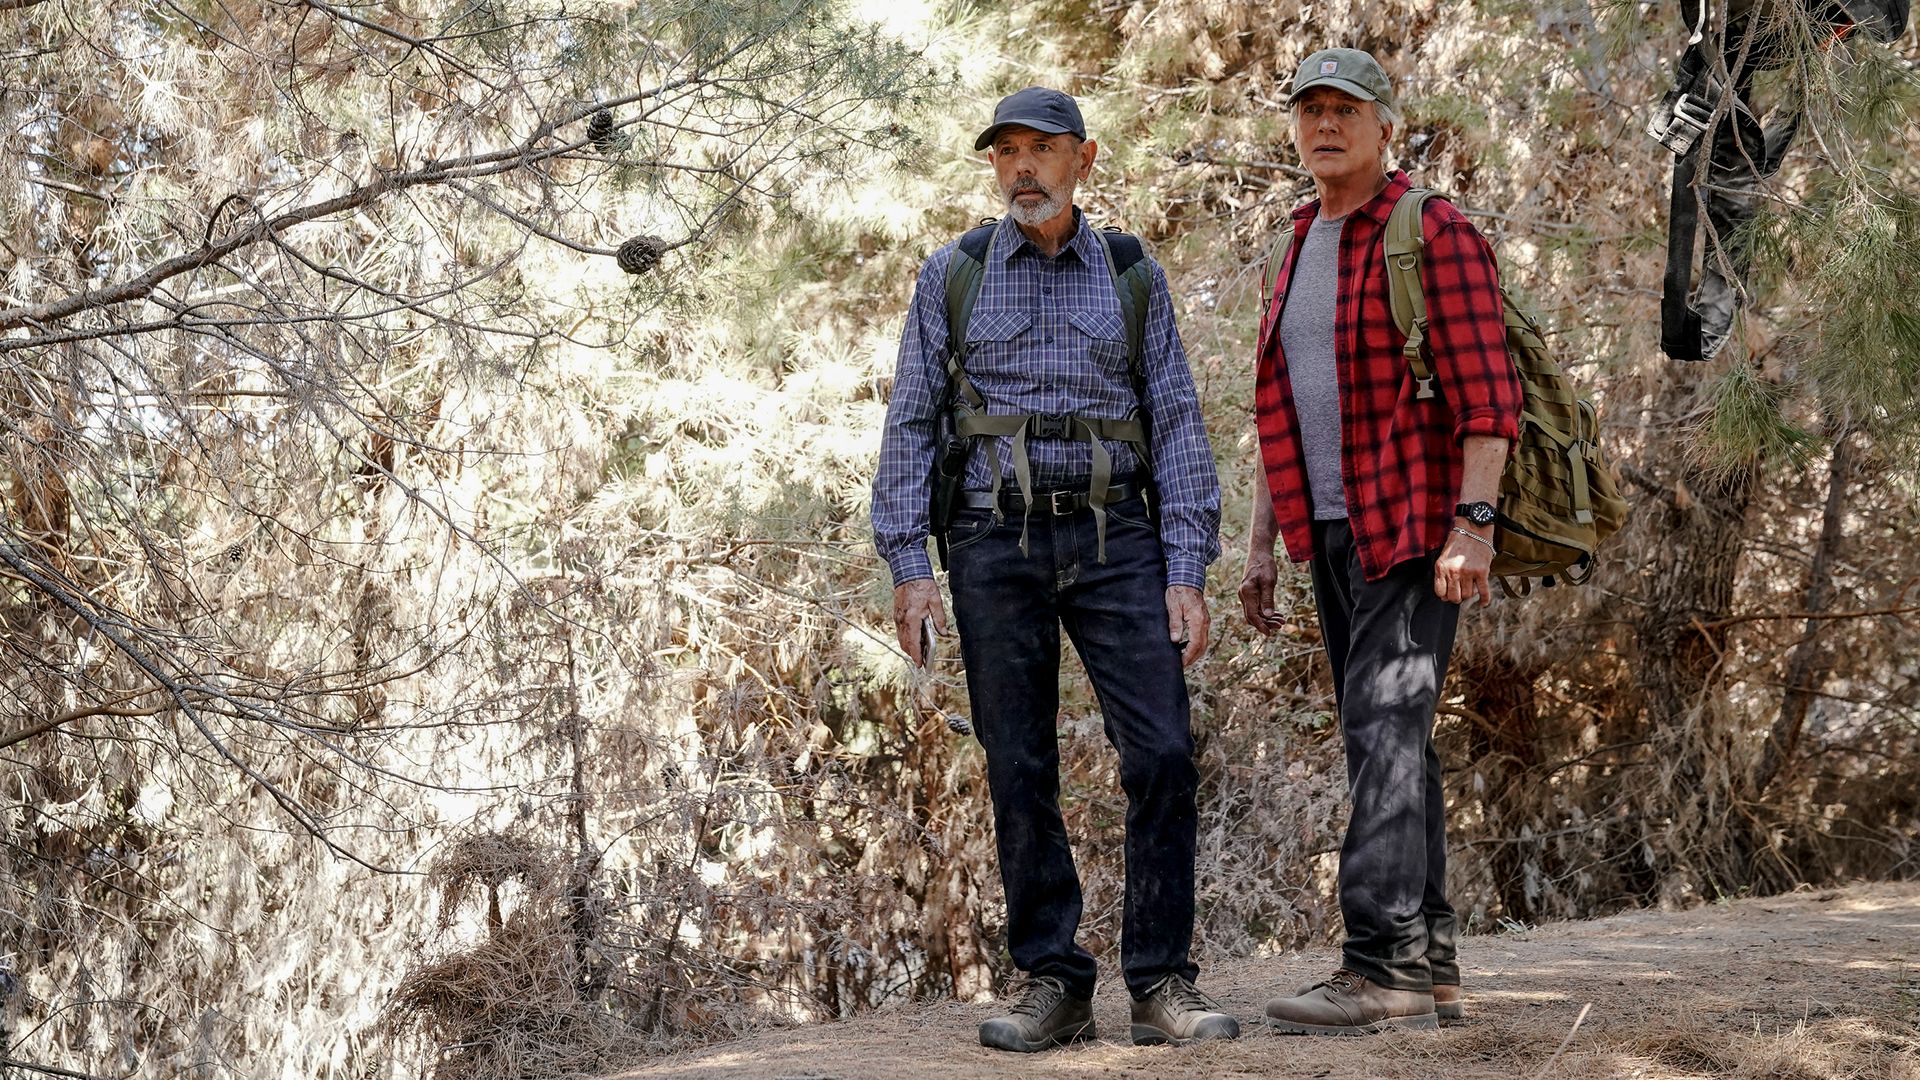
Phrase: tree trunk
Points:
(1690, 589)
(1688, 586)
(1503, 743)
(1810, 664)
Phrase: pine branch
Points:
(524, 154)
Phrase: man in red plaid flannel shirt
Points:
(1389, 497)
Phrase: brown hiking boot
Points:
(1174, 1012)
(1045, 1016)
(1346, 1003)
(1447, 1000)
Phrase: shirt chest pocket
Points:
(995, 338)
(1103, 334)
(991, 328)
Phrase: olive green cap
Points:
(1350, 70)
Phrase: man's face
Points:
(1038, 172)
(1339, 136)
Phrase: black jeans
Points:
(1009, 609)
(1389, 642)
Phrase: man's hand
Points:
(1256, 593)
(1462, 569)
(1465, 560)
(915, 602)
(1256, 588)
(1187, 621)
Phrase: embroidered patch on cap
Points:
(1329, 67)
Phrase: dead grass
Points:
(1811, 986)
(514, 1003)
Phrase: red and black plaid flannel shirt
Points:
(1400, 459)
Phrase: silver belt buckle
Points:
(1053, 503)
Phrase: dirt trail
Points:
(1808, 986)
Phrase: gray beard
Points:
(1048, 209)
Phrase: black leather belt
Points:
(1056, 503)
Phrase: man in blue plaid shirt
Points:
(1047, 348)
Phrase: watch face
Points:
(1479, 513)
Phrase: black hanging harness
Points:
(1717, 70)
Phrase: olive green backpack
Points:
(1558, 498)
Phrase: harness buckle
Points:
(1681, 119)
(1050, 425)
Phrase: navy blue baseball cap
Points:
(1038, 108)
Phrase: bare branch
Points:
(65, 718)
(13, 1063)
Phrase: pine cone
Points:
(600, 130)
(641, 254)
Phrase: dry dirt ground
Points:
(1808, 986)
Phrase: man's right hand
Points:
(914, 602)
(1256, 593)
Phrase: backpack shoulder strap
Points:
(1126, 249)
(977, 240)
(1132, 278)
(1403, 243)
(1270, 270)
(965, 271)
(1132, 275)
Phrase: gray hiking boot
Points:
(1347, 1003)
(1174, 1012)
(1448, 1001)
(1045, 1016)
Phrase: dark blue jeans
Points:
(1009, 609)
(1389, 642)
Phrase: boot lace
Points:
(1185, 996)
(1039, 997)
(1343, 981)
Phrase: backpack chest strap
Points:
(1090, 430)
(1052, 426)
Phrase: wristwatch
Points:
(1480, 513)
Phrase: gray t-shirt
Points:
(1306, 337)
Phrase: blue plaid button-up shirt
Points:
(1046, 336)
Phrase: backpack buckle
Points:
(1424, 389)
(1050, 425)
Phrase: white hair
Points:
(1046, 211)
(1389, 116)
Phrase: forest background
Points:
(429, 646)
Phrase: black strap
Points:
(1679, 323)
(975, 244)
(1127, 250)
